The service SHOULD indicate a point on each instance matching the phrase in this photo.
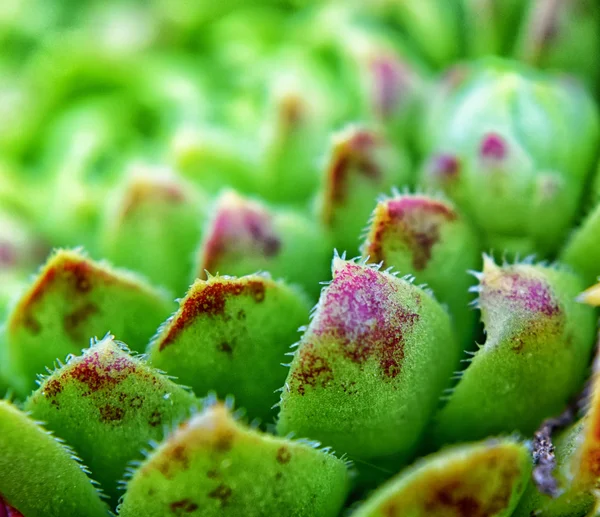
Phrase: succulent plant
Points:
(244, 236)
(429, 238)
(40, 475)
(538, 341)
(360, 166)
(209, 465)
(486, 478)
(370, 367)
(502, 144)
(176, 176)
(224, 325)
(108, 405)
(155, 206)
(71, 300)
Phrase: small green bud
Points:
(40, 476)
(537, 347)
(230, 335)
(478, 479)
(215, 466)
(108, 405)
(370, 367)
(73, 299)
(154, 227)
(245, 236)
(362, 164)
(428, 238)
(513, 148)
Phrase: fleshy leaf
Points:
(361, 165)
(582, 249)
(538, 344)
(522, 144)
(245, 236)
(558, 35)
(72, 300)
(428, 238)
(155, 227)
(108, 405)
(371, 366)
(40, 477)
(212, 465)
(474, 480)
(230, 335)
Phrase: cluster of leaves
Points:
(148, 150)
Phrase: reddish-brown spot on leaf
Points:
(453, 498)
(241, 227)
(313, 370)
(532, 294)
(291, 113)
(354, 154)
(155, 418)
(372, 324)
(493, 147)
(443, 168)
(517, 345)
(179, 454)
(81, 273)
(414, 221)
(225, 347)
(136, 402)
(223, 440)
(283, 455)
(51, 389)
(257, 290)
(391, 81)
(73, 275)
(98, 375)
(360, 318)
(176, 458)
(110, 413)
(209, 300)
(73, 321)
(222, 493)
(183, 506)
(591, 462)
